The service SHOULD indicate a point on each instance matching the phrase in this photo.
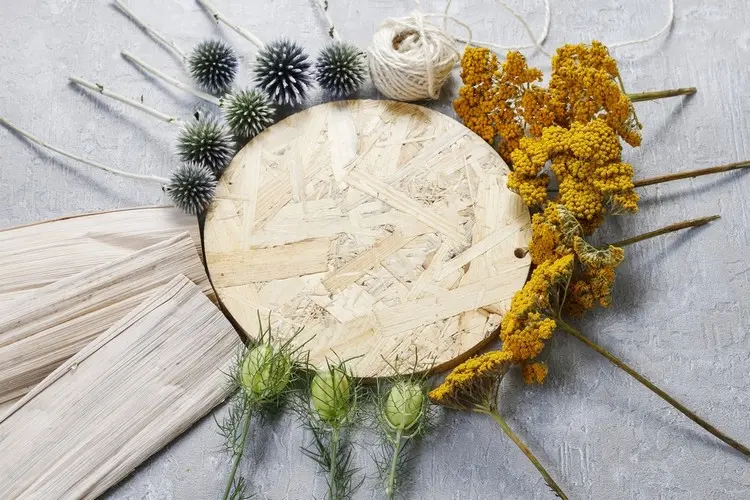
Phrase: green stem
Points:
(646, 382)
(660, 94)
(333, 456)
(666, 229)
(391, 486)
(238, 452)
(525, 449)
(691, 173)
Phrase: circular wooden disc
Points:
(385, 229)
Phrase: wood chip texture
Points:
(384, 229)
(46, 326)
(119, 400)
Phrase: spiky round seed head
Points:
(213, 65)
(404, 405)
(207, 143)
(247, 112)
(265, 372)
(340, 69)
(331, 395)
(191, 188)
(283, 71)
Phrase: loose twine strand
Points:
(410, 57)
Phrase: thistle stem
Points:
(169, 44)
(323, 4)
(650, 385)
(238, 452)
(169, 79)
(332, 456)
(239, 29)
(525, 449)
(691, 173)
(126, 100)
(390, 487)
(75, 157)
(666, 229)
(661, 94)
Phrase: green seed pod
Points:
(331, 395)
(265, 372)
(404, 404)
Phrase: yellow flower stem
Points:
(666, 229)
(661, 94)
(525, 449)
(691, 173)
(238, 452)
(646, 382)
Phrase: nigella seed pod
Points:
(191, 188)
(340, 69)
(404, 406)
(332, 396)
(247, 112)
(213, 65)
(265, 372)
(282, 70)
(207, 143)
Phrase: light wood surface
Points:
(46, 326)
(123, 397)
(383, 229)
(38, 254)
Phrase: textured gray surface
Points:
(682, 311)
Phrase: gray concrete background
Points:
(682, 311)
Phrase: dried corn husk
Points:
(44, 327)
(119, 400)
(37, 254)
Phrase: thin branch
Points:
(650, 385)
(169, 79)
(692, 173)
(323, 4)
(666, 229)
(108, 93)
(169, 44)
(661, 94)
(75, 157)
(239, 29)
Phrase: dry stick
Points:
(692, 173)
(126, 100)
(169, 44)
(666, 229)
(525, 449)
(660, 94)
(239, 29)
(646, 382)
(75, 157)
(169, 79)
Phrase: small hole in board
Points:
(520, 252)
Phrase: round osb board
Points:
(384, 229)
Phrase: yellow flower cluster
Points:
(472, 382)
(597, 278)
(552, 233)
(497, 103)
(527, 325)
(534, 373)
(586, 161)
(585, 84)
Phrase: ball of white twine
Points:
(410, 58)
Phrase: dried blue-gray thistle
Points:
(191, 188)
(283, 71)
(213, 65)
(207, 143)
(340, 69)
(247, 112)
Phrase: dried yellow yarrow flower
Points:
(586, 160)
(534, 373)
(473, 382)
(552, 233)
(593, 286)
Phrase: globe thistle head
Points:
(340, 69)
(191, 188)
(247, 112)
(207, 143)
(283, 71)
(213, 65)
